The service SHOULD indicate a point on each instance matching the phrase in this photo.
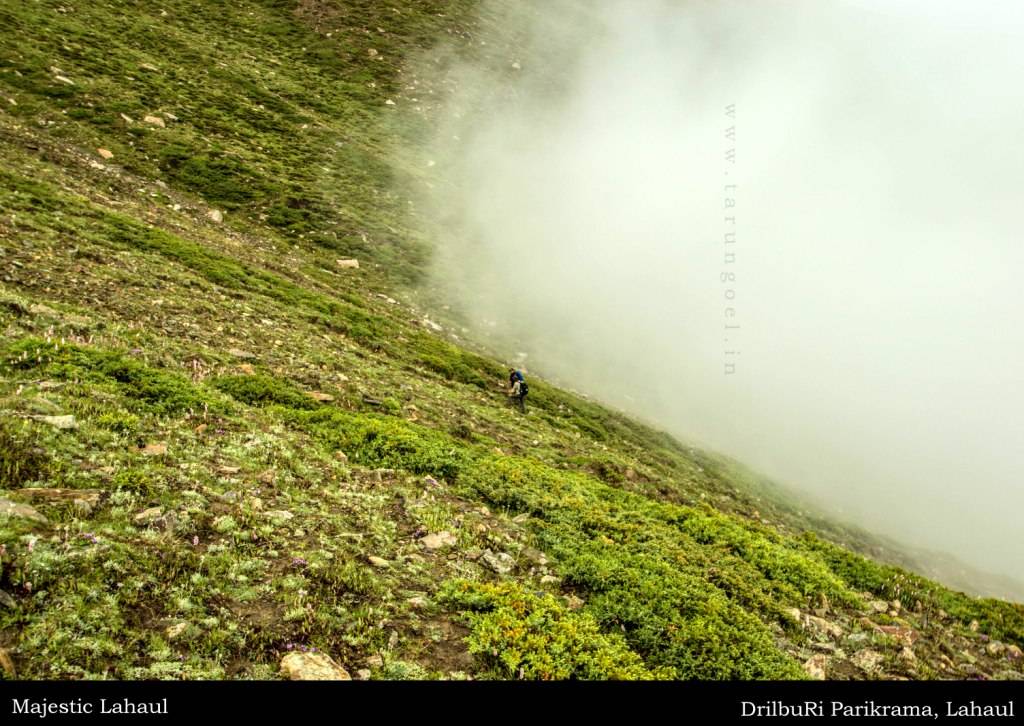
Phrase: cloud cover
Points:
(580, 203)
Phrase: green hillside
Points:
(224, 454)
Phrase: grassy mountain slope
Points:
(218, 446)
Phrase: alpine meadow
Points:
(259, 299)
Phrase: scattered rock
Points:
(215, 215)
(154, 449)
(322, 397)
(867, 659)
(312, 667)
(995, 648)
(7, 600)
(432, 325)
(175, 631)
(105, 153)
(7, 664)
(815, 666)
(374, 661)
(85, 499)
(573, 602)
(973, 627)
(822, 627)
(341, 456)
(247, 369)
(378, 562)
(13, 509)
(439, 540)
(64, 79)
(229, 470)
(500, 562)
(348, 264)
(417, 602)
(549, 580)
(430, 481)
(279, 516)
(149, 67)
(907, 655)
(389, 102)
(239, 353)
(906, 636)
(879, 606)
(149, 516)
(1013, 652)
(793, 613)
(155, 121)
(62, 423)
(364, 674)
(127, 119)
(896, 605)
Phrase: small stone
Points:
(793, 613)
(348, 264)
(501, 562)
(319, 396)
(389, 102)
(439, 540)
(1013, 652)
(247, 369)
(374, 661)
(24, 511)
(815, 666)
(229, 470)
(417, 602)
(149, 516)
(430, 481)
(341, 456)
(65, 79)
(105, 153)
(7, 664)
(973, 627)
(549, 580)
(7, 600)
(823, 627)
(896, 605)
(906, 636)
(279, 516)
(239, 353)
(378, 562)
(879, 606)
(127, 119)
(867, 660)
(154, 449)
(312, 667)
(995, 648)
(154, 121)
(175, 630)
(62, 423)
(907, 655)
(215, 215)
(364, 674)
(573, 602)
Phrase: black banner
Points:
(683, 702)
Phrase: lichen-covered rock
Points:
(312, 667)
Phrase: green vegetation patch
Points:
(145, 388)
(261, 390)
(524, 635)
(382, 441)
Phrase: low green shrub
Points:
(261, 390)
(524, 635)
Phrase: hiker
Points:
(517, 389)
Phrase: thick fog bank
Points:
(870, 251)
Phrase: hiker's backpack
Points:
(523, 388)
